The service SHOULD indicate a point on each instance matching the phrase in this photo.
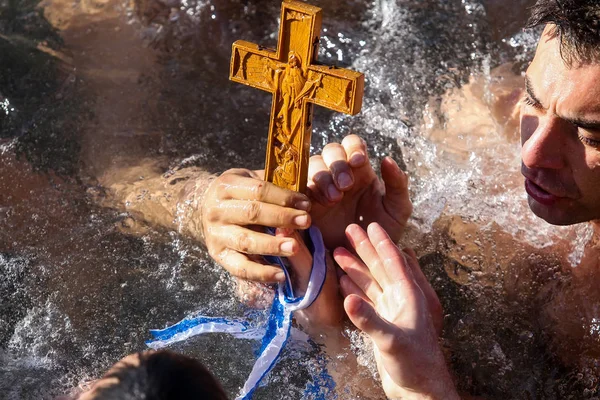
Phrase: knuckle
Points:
(252, 212)
(316, 162)
(260, 190)
(332, 147)
(212, 213)
(241, 272)
(225, 180)
(243, 242)
(221, 188)
(231, 176)
(236, 171)
(283, 218)
(355, 141)
(226, 176)
(351, 140)
(333, 152)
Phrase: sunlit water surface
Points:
(92, 87)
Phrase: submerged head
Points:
(156, 375)
(560, 116)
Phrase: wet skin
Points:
(560, 136)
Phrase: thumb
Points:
(396, 200)
(364, 317)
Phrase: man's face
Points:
(560, 137)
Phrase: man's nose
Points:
(543, 142)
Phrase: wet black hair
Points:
(576, 23)
(162, 375)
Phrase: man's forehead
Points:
(549, 48)
(574, 87)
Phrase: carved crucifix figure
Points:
(291, 74)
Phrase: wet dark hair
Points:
(576, 25)
(162, 375)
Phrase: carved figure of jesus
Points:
(291, 83)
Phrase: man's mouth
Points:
(540, 195)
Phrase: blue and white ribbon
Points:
(277, 331)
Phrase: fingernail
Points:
(280, 277)
(303, 205)
(301, 220)
(344, 180)
(333, 193)
(287, 247)
(357, 159)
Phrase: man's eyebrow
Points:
(591, 125)
(530, 91)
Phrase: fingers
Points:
(238, 199)
(356, 150)
(335, 159)
(242, 212)
(248, 241)
(339, 168)
(358, 158)
(396, 267)
(364, 317)
(232, 186)
(358, 273)
(396, 200)
(240, 265)
(361, 243)
(323, 189)
(343, 159)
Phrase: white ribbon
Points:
(274, 335)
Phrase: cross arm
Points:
(253, 65)
(339, 89)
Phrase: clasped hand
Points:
(343, 188)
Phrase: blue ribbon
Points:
(277, 331)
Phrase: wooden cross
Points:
(295, 80)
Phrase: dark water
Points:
(95, 88)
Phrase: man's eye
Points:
(588, 141)
(530, 102)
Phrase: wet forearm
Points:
(172, 200)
